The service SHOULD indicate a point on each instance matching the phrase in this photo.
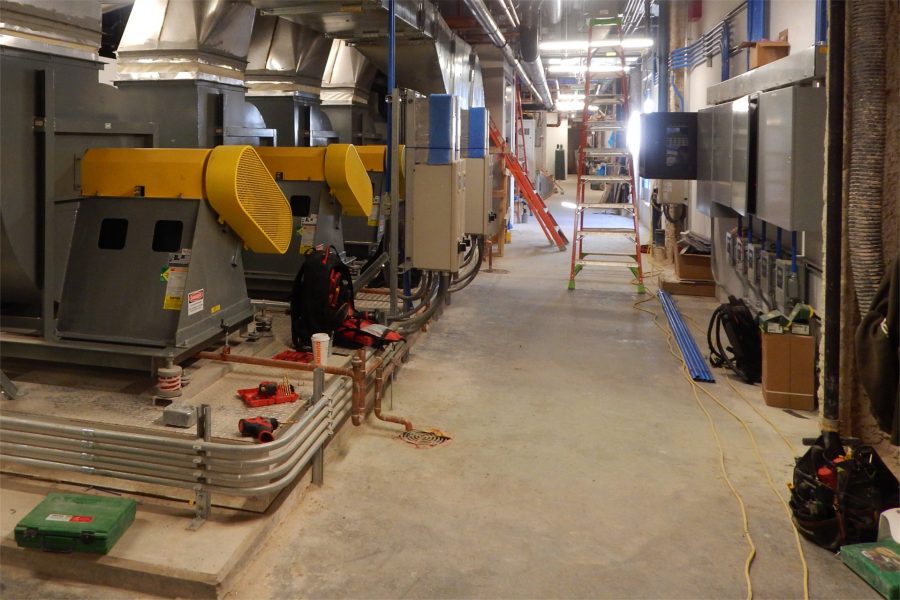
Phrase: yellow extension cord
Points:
(744, 517)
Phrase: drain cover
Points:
(428, 438)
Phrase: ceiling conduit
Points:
(530, 72)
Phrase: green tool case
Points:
(878, 564)
(76, 523)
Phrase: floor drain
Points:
(428, 438)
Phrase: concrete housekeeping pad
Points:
(158, 554)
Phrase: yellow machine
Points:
(161, 233)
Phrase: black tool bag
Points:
(743, 353)
(836, 500)
(322, 296)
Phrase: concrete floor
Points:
(581, 465)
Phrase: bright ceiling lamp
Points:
(575, 97)
(582, 45)
(576, 69)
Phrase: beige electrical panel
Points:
(438, 216)
(478, 196)
(673, 191)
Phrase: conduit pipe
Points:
(867, 117)
(537, 83)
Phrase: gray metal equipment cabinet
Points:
(790, 159)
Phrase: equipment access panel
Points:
(668, 146)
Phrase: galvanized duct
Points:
(348, 76)
(285, 58)
(867, 118)
(62, 27)
(533, 76)
(170, 39)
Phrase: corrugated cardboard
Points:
(693, 267)
(763, 52)
(788, 370)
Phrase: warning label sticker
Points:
(308, 232)
(195, 302)
(176, 278)
(69, 518)
(373, 214)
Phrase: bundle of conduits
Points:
(433, 289)
(867, 118)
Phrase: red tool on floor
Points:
(268, 393)
(260, 428)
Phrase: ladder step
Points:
(606, 178)
(606, 125)
(606, 205)
(632, 264)
(607, 231)
(607, 152)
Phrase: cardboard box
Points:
(789, 370)
(693, 267)
(764, 52)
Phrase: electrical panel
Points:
(705, 186)
(740, 255)
(743, 155)
(790, 160)
(722, 154)
(790, 287)
(668, 146)
(753, 262)
(478, 196)
(729, 247)
(767, 274)
(673, 191)
(438, 216)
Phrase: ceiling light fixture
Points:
(582, 45)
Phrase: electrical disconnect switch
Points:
(740, 255)
(729, 247)
(753, 263)
(790, 287)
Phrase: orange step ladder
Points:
(548, 224)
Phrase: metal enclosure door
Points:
(790, 160)
(438, 215)
(705, 158)
(722, 151)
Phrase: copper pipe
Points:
(271, 362)
(380, 375)
(358, 404)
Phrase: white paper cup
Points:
(321, 344)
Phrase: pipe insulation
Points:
(867, 118)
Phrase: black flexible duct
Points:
(867, 118)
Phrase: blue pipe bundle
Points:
(696, 364)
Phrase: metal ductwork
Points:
(430, 57)
(61, 27)
(348, 76)
(531, 73)
(285, 58)
(172, 39)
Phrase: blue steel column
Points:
(393, 182)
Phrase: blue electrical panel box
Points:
(443, 129)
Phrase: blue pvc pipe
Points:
(757, 20)
(750, 228)
(821, 21)
(392, 83)
(793, 252)
(778, 242)
(726, 45)
(696, 364)
(678, 94)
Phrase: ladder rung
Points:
(606, 263)
(606, 152)
(606, 178)
(607, 205)
(606, 125)
(607, 231)
(606, 99)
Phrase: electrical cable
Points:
(468, 278)
(756, 449)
